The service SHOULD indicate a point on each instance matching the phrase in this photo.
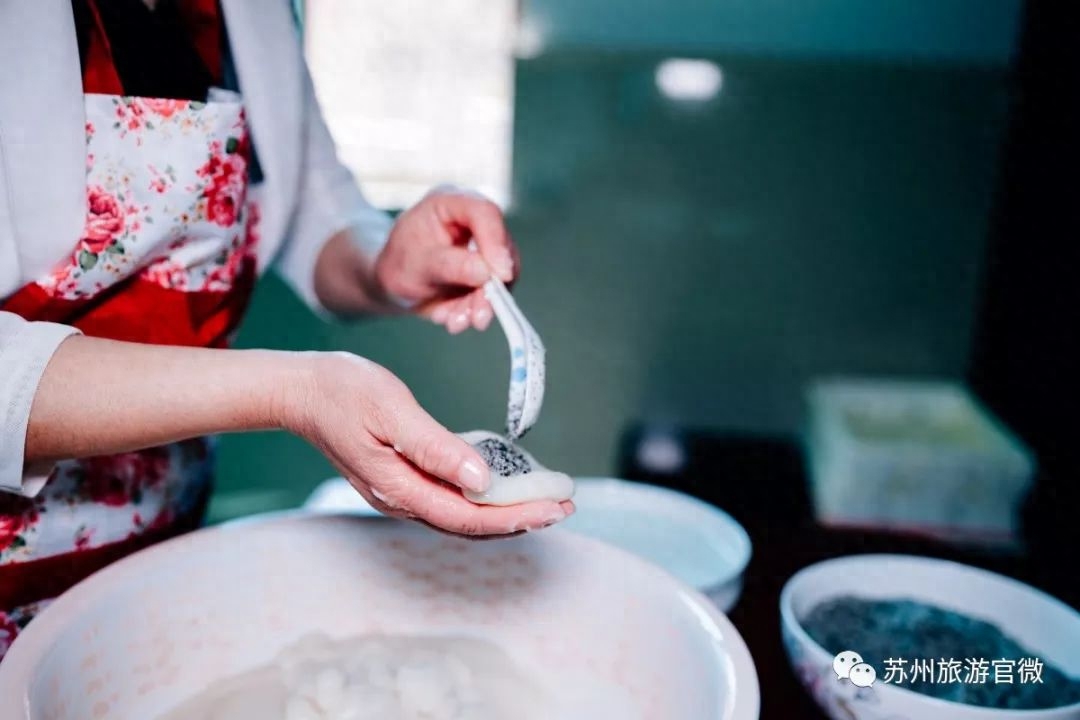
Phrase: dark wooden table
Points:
(761, 483)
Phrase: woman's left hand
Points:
(427, 261)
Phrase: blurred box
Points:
(916, 457)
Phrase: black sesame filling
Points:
(502, 457)
(891, 635)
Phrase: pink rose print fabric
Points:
(167, 196)
(167, 256)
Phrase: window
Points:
(417, 93)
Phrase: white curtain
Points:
(417, 92)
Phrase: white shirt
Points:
(307, 194)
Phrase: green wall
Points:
(696, 264)
(980, 32)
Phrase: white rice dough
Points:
(516, 476)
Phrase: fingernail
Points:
(439, 314)
(505, 268)
(482, 317)
(459, 322)
(474, 476)
(557, 515)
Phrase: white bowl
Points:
(337, 496)
(693, 540)
(147, 633)
(1038, 622)
(696, 542)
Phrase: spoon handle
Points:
(527, 360)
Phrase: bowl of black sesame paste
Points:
(895, 637)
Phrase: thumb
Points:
(439, 452)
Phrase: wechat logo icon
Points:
(849, 666)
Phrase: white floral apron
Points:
(166, 257)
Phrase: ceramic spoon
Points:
(526, 360)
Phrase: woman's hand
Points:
(426, 265)
(402, 461)
(427, 262)
(362, 417)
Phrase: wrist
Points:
(291, 389)
(315, 383)
(387, 291)
(349, 282)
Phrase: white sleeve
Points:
(329, 201)
(25, 350)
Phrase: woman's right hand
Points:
(404, 463)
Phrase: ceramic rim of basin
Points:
(722, 562)
(17, 673)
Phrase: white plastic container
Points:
(922, 457)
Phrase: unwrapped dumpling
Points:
(516, 476)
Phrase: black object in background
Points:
(1025, 361)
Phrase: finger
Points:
(437, 310)
(484, 221)
(458, 266)
(469, 537)
(515, 262)
(465, 518)
(385, 506)
(379, 502)
(433, 449)
(447, 509)
(480, 311)
(460, 316)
